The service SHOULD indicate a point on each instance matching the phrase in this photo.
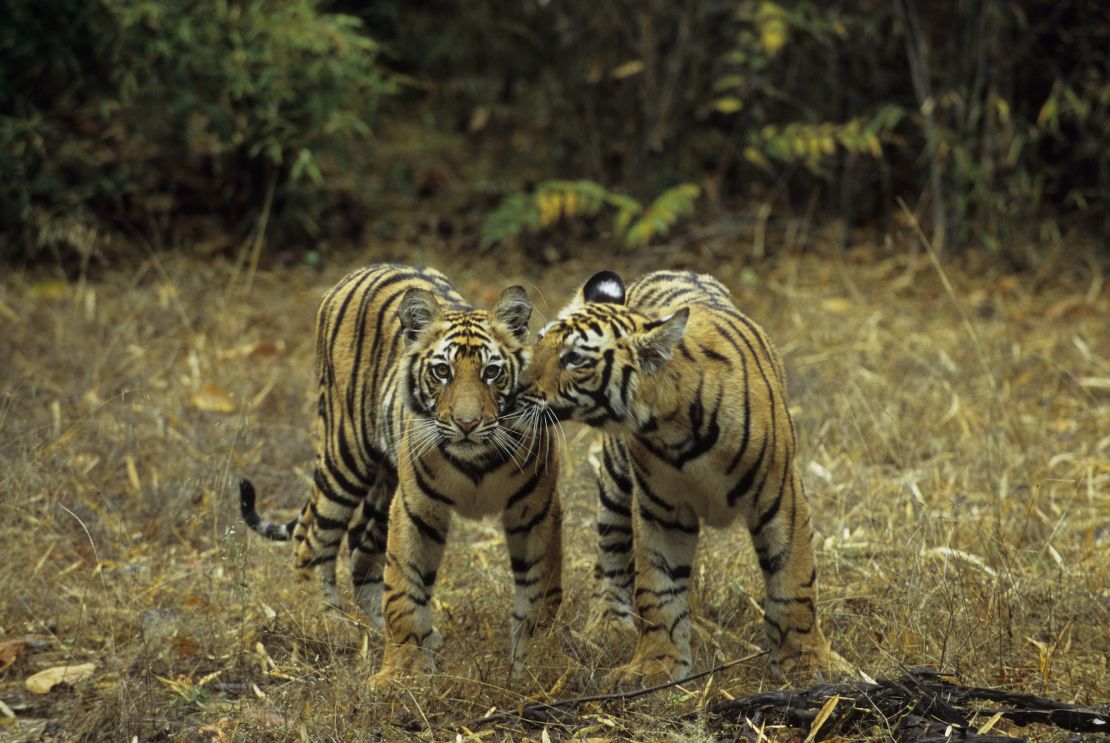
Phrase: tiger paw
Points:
(401, 662)
(651, 671)
(804, 662)
(612, 629)
(536, 666)
(369, 599)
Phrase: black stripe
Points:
(520, 529)
(744, 484)
(423, 526)
(523, 491)
(666, 523)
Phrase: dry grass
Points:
(959, 474)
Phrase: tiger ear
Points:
(604, 286)
(512, 310)
(419, 309)
(654, 345)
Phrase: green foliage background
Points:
(989, 117)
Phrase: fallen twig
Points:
(559, 710)
(921, 706)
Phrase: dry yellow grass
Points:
(959, 471)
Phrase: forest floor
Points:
(954, 425)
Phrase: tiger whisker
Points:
(501, 441)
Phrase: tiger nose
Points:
(468, 425)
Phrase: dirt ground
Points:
(954, 424)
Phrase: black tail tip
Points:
(246, 500)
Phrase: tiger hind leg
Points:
(783, 539)
(366, 540)
(322, 526)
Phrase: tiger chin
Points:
(416, 419)
(691, 397)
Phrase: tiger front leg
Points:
(533, 534)
(666, 539)
(611, 617)
(417, 535)
(783, 540)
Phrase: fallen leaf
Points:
(1062, 307)
(836, 304)
(43, 681)
(264, 349)
(10, 653)
(184, 646)
(213, 398)
(265, 717)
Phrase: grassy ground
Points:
(955, 446)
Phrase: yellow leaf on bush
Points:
(628, 69)
(47, 289)
(213, 398)
(43, 681)
(728, 104)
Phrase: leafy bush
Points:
(554, 201)
(983, 115)
(135, 109)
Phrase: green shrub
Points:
(555, 201)
(139, 108)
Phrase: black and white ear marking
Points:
(418, 310)
(513, 309)
(604, 286)
(655, 344)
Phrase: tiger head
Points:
(461, 368)
(595, 362)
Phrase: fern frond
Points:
(556, 200)
(662, 214)
(516, 212)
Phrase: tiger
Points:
(415, 420)
(690, 397)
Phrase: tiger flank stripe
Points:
(691, 396)
(416, 418)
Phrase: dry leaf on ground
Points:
(213, 398)
(10, 653)
(43, 681)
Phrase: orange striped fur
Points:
(416, 418)
(691, 395)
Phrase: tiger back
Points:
(414, 420)
(691, 395)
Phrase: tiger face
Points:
(591, 365)
(461, 368)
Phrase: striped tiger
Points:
(691, 397)
(414, 420)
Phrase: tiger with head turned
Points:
(415, 413)
(691, 396)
